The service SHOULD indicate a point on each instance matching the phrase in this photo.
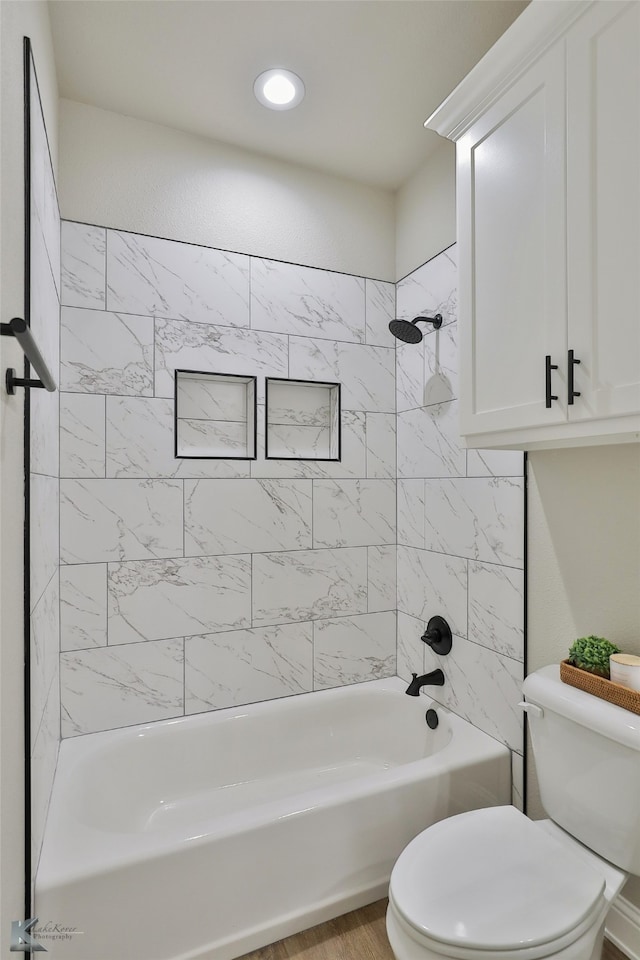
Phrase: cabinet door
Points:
(603, 206)
(511, 232)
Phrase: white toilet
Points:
(493, 884)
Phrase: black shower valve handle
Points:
(438, 636)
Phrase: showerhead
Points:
(407, 331)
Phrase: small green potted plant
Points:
(592, 654)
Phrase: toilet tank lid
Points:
(546, 689)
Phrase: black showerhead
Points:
(407, 331)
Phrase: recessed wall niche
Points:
(215, 416)
(302, 420)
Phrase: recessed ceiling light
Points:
(279, 89)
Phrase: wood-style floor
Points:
(355, 936)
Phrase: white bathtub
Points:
(212, 835)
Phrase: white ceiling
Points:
(373, 69)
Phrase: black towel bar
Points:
(18, 328)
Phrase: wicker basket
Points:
(599, 687)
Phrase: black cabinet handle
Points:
(548, 368)
(571, 364)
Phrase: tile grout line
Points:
(107, 618)
(294, 550)
(97, 648)
(251, 608)
(236, 253)
(396, 456)
(105, 437)
(227, 327)
(59, 563)
(106, 267)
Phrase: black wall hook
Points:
(438, 636)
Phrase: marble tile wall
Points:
(44, 477)
(191, 585)
(460, 528)
(188, 585)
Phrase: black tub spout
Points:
(435, 678)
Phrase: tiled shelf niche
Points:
(302, 420)
(215, 416)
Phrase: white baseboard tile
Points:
(623, 927)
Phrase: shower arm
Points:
(436, 321)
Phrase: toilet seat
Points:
(492, 881)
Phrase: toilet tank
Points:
(587, 757)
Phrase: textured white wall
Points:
(584, 548)
(18, 19)
(426, 211)
(584, 553)
(131, 175)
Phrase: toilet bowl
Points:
(492, 883)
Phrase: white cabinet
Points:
(603, 209)
(512, 248)
(547, 128)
